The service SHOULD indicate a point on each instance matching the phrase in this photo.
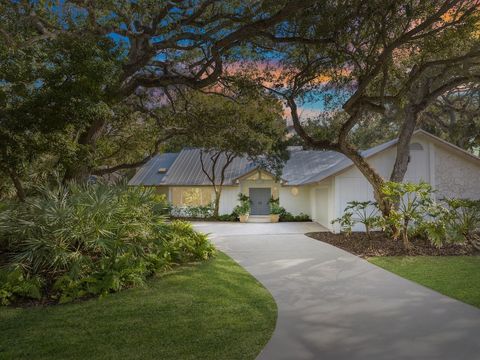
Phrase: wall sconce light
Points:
(294, 191)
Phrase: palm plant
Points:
(91, 239)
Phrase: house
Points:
(317, 183)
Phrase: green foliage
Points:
(275, 208)
(362, 212)
(183, 244)
(462, 218)
(459, 113)
(182, 314)
(288, 217)
(346, 222)
(15, 283)
(192, 212)
(83, 240)
(412, 202)
(415, 214)
(244, 207)
(161, 205)
(228, 217)
(455, 221)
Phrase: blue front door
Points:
(259, 198)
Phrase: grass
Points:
(454, 276)
(214, 310)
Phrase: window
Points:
(191, 196)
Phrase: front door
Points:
(259, 198)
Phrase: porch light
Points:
(294, 191)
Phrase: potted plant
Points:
(243, 210)
(275, 210)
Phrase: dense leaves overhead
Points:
(89, 73)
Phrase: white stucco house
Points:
(317, 183)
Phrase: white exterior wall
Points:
(447, 170)
(352, 185)
(296, 199)
(323, 203)
(229, 199)
(455, 175)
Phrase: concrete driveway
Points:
(333, 305)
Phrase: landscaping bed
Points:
(382, 245)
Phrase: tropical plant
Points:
(346, 222)
(462, 221)
(359, 212)
(15, 284)
(412, 203)
(275, 208)
(244, 207)
(84, 240)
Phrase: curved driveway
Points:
(333, 305)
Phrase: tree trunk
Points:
(216, 209)
(371, 175)
(403, 145)
(88, 139)
(18, 185)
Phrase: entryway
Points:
(259, 198)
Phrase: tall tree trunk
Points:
(87, 139)
(375, 180)
(216, 209)
(18, 185)
(403, 145)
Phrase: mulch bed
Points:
(383, 245)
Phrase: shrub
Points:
(193, 212)
(412, 203)
(228, 217)
(93, 239)
(275, 208)
(462, 220)
(288, 217)
(359, 212)
(14, 284)
(244, 207)
(285, 216)
(162, 206)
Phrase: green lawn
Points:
(214, 310)
(454, 276)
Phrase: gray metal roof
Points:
(308, 164)
(341, 163)
(149, 173)
(187, 169)
(303, 167)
